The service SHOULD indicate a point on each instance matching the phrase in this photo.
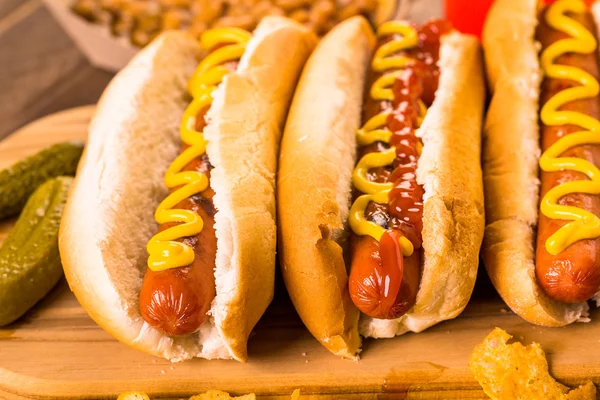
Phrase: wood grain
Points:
(13, 12)
(57, 352)
(41, 70)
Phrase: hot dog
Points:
(380, 207)
(572, 275)
(176, 301)
(412, 91)
(168, 236)
(556, 269)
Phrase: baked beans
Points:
(142, 20)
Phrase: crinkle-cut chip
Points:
(219, 395)
(513, 371)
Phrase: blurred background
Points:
(58, 54)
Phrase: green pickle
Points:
(18, 182)
(29, 259)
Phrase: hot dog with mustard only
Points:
(541, 157)
(380, 197)
(168, 236)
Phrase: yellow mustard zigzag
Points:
(164, 250)
(584, 224)
(374, 129)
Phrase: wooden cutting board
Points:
(57, 352)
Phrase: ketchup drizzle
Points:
(403, 215)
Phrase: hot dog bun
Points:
(313, 192)
(314, 188)
(510, 163)
(134, 137)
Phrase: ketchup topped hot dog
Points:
(168, 237)
(542, 241)
(380, 202)
(388, 213)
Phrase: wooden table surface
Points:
(42, 71)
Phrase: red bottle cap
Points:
(467, 16)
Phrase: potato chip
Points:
(513, 371)
(133, 396)
(296, 394)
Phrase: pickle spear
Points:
(18, 182)
(29, 259)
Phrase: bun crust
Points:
(453, 210)
(510, 164)
(133, 138)
(385, 11)
(244, 131)
(318, 151)
(316, 163)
